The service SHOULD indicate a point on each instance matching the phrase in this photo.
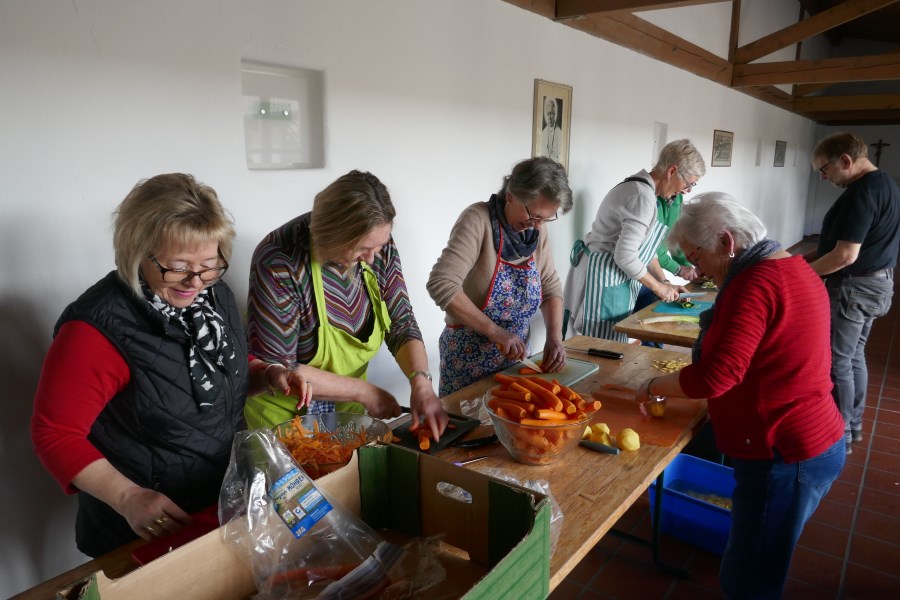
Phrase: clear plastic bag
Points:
(300, 543)
(538, 485)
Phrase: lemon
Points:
(629, 439)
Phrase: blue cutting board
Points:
(674, 308)
(574, 371)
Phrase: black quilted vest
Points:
(152, 431)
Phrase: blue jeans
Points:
(644, 299)
(772, 502)
(855, 304)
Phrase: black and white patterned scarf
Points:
(516, 244)
(745, 259)
(210, 353)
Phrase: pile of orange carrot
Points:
(532, 400)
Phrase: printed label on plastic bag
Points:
(297, 501)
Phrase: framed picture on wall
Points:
(723, 141)
(551, 121)
(780, 153)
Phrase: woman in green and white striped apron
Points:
(619, 253)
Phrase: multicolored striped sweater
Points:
(282, 322)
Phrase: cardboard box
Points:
(688, 517)
(496, 547)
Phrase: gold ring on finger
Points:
(161, 520)
(150, 528)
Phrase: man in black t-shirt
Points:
(857, 254)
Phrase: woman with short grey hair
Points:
(762, 360)
(496, 272)
(618, 254)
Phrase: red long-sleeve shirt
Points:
(81, 373)
(766, 362)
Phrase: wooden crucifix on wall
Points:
(878, 146)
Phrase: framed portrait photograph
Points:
(551, 121)
(723, 142)
(780, 153)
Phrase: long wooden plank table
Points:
(594, 490)
(677, 333)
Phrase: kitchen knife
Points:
(530, 364)
(598, 447)
(684, 295)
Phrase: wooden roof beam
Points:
(847, 103)
(825, 20)
(572, 9)
(831, 70)
(646, 38)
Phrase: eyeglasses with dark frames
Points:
(536, 220)
(824, 168)
(183, 275)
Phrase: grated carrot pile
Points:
(315, 447)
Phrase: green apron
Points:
(338, 352)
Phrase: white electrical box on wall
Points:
(284, 120)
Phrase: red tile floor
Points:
(850, 549)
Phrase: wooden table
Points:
(677, 333)
(593, 489)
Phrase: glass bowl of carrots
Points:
(325, 442)
(537, 427)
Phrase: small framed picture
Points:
(780, 153)
(723, 142)
(551, 121)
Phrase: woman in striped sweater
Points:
(763, 359)
(326, 289)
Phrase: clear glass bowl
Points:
(325, 442)
(536, 444)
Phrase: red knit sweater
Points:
(81, 373)
(766, 362)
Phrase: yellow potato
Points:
(601, 438)
(657, 409)
(600, 428)
(629, 439)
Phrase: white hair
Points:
(708, 215)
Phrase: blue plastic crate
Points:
(689, 518)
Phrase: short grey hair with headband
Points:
(708, 215)
(684, 156)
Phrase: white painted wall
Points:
(433, 96)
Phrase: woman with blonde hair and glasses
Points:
(326, 290)
(618, 254)
(144, 384)
(496, 272)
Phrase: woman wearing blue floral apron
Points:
(618, 254)
(496, 272)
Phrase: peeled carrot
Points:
(546, 422)
(542, 396)
(566, 392)
(548, 385)
(589, 405)
(515, 411)
(511, 395)
(501, 378)
(551, 415)
(527, 371)
(515, 387)
(424, 439)
(528, 407)
(569, 407)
